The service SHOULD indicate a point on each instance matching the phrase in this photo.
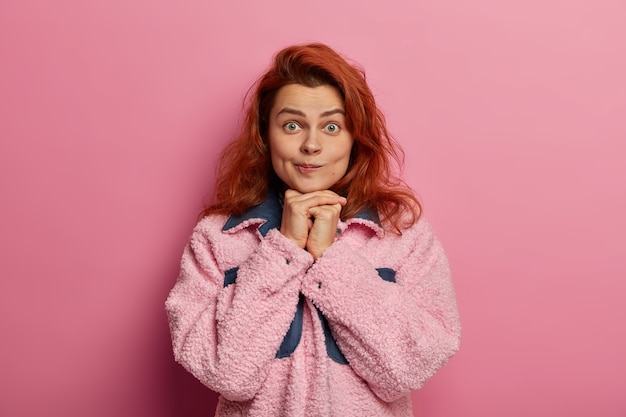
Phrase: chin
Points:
(308, 189)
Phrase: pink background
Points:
(512, 116)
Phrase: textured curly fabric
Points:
(254, 318)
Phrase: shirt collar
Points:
(268, 215)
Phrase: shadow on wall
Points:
(188, 396)
(183, 394)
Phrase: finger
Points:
(329, 211)
(317, 198)
(293, 194)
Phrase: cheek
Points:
(341, 167)
(347, 156)
(278, 157)
(345, 162)
(278, 148)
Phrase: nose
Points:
(311, 144)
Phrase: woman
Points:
(312, 287)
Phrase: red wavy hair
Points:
(245, 172)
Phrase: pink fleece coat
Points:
(254, 318)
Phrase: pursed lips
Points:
(307, 168)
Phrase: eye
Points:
(291, 126)
(332, 128)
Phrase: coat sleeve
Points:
(226, 335)
(394, 335)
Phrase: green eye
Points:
(332, 128)
(291, 126)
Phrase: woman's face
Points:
(308, 140)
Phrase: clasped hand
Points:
(310, 220)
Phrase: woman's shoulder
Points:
(416, 236)
(408, 224)
(210, 224)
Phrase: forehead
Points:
(307, 99)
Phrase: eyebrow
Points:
(301, 113)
